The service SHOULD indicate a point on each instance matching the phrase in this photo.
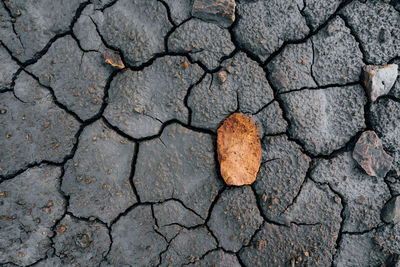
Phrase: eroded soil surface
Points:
(109, 111)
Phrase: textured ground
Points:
(103, 165)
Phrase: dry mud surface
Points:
(109, 111)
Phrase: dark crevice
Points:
(309, 35)
(41, 53)
(55, 100)
(13, 20)
(132, 174)
(108, 5)
(66, 205)
(210, 209)
(342, 216)
(189, 91)
(294, 199)
(129, 209)
(251, 240)
(321, 87)
(48, 162)
(260, 209)
(169, 16)
(78, 42)
(378, 227)
(202, 257)
(263, 107)
(156, 224)
(151, 137)
(312, 63)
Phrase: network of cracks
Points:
(114, 164)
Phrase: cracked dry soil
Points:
(112, 161)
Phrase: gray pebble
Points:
(379, 80)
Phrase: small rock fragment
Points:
(369, 153)
(239, 150)
(379, 79)
(114, 59)
(391, 210)
(221, 12)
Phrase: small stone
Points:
(379, 79)
(222, 75)
(221, 12)
(114, 59)
(391, 211)
(369, 153)
(82, 240)
(239, 150)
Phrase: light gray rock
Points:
(135, 242)
(204, 42)
(265, 25)
(325, 119)
(234, 218)
(221, 12)
(179, 164)
(369, 154)
(141, 101)
(33, 128)
(379, 80)
(29, 206)
(97, 178)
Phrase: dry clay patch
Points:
(114, 193)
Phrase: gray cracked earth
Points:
(104, 166)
